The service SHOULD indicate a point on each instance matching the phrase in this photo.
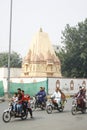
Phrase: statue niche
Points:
(71, 85)
(58, 83)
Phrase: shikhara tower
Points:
(41, 60)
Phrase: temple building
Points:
(41, 60)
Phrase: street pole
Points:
(9, 53)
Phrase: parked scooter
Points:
(77, 107)
(9, 113)
(51, 105)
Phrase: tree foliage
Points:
(73, 55)
(15, 60)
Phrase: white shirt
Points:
(56, 95)
(15, 99)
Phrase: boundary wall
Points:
(31, 85)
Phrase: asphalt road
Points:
(43, 121)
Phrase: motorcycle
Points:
(32, 103)
(51, 105)
(77, 107)
(35, 103)
(9, 113)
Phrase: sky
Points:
(28, 16)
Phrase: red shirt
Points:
(26, 97)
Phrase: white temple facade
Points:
(41, 60)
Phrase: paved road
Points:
(44, 121)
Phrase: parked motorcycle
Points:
(77, 107)
(51, 105)
(9, 113)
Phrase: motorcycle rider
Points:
(19, 102)
(84, 96)
(26, 103)
(80, 97)
(14, 102)
(41, 96)
(63, 97)
(45, 94)
(84, 91)
(57, 97)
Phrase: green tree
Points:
(73, 55)
(15, 60)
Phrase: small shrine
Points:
(41, 60)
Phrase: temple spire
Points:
(41, 60)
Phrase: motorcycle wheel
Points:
(6, 117)
(60, 109)
(73, 110)
(24, 116)
(83, 111)
(49, 109)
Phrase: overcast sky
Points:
(29, 15)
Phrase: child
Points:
(14, 100)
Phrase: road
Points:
(44, 121)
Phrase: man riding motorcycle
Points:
(41, 96)
(81, 95)
(56, 97)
